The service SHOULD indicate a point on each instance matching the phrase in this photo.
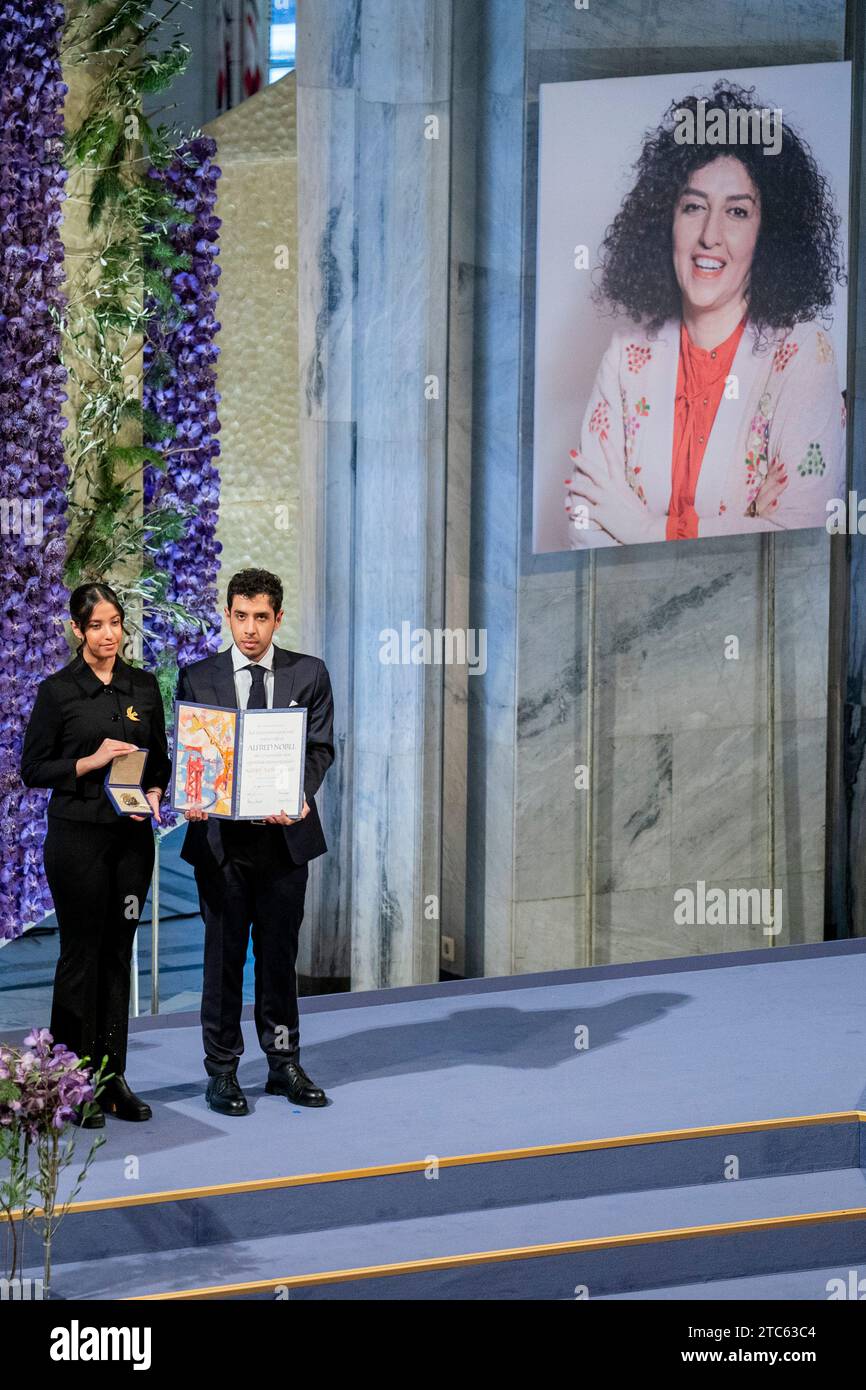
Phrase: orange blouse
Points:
(700, 385)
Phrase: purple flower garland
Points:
(185, 396)
(33, 473)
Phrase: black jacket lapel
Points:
(284, 678)
(224, 680)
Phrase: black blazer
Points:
(297, 677)
(73, 712)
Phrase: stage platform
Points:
(706, 1142)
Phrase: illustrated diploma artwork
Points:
(123, 784)
(239, 764)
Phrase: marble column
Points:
(373, 136)
(488, 303)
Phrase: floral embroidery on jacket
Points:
(632, 480)
(783, 354)
(631, 470)
(631, 425)
(813, 461)
(637, 356)
(824, 346)
(757, 445)
(599, 421)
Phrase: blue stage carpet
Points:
(491, 1066)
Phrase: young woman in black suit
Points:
(98, 863)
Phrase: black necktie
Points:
(258, 699)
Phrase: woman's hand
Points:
(771, 489)
(154, 796)
(612, 505)
(108, 749)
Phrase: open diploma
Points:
(239, 764)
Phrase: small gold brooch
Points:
(131, 714)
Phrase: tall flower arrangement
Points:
(147, 273)
(180, 391)
(33, 473)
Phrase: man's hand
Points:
(195, 813)
(283, 819)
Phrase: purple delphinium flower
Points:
(180, 354)
(180, 388)
(33, 474)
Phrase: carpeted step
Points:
(675, 1255)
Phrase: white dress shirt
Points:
(244, 679)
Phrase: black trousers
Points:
(99, 876)
(260, 887)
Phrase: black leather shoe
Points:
(117, 1099)
(95, 1120)
(291, 1080)
(225, 1096)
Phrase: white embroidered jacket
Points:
(782, 402)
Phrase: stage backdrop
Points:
(604, 384)
(526, 879)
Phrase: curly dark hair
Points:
(251, 583)
(797, 259)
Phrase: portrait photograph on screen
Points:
(691, 314)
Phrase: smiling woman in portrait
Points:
(719, 409)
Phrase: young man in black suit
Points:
(255, 873)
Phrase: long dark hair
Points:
(84, 599)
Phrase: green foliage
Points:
(132, 455)
(158, 71)
(133, 49)
(126, 15)
(155, 428)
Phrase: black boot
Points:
(117, 1099)
(225, 1096)
(290, 1080)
